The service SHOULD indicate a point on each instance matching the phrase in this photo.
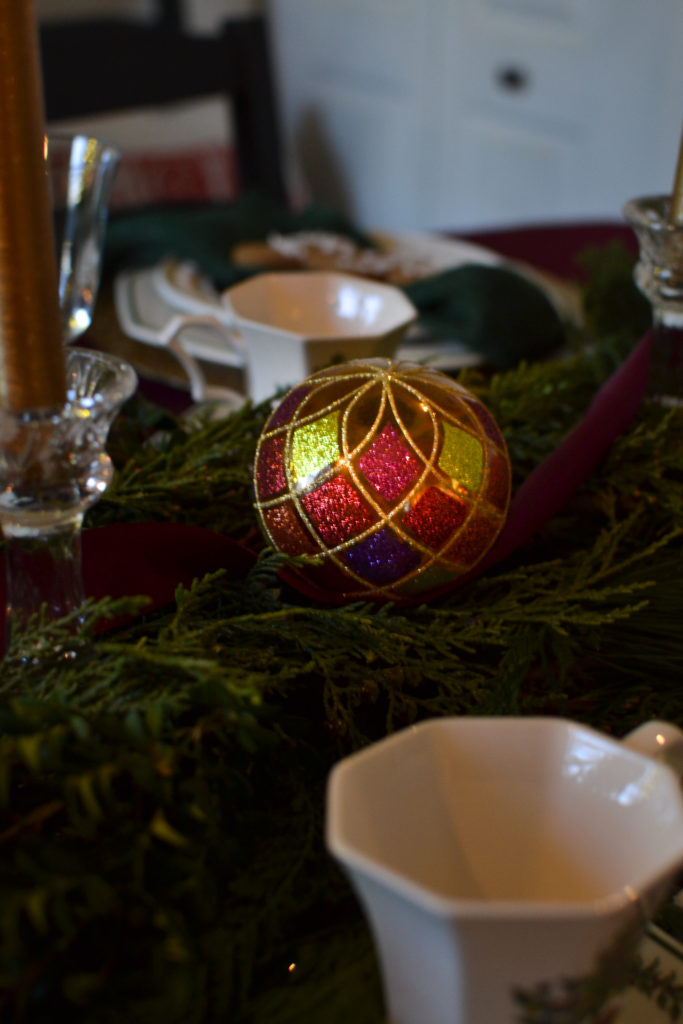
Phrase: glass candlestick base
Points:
(659, 276)
(53, 466)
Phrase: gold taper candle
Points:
(32, 373)
(676, 208)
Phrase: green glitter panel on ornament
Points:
(315, 447)
(462, 457)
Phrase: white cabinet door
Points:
(559, 108)
(355, 88)
(467, 113)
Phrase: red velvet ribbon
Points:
(558, 477)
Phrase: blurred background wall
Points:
(470, 112)
(466, 113)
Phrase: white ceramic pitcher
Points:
(500, 856)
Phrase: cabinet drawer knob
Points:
(513, 79)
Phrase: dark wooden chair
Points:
(105, 65)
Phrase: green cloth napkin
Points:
(494, 311)
(206, 234)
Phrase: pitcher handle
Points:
(659, 740)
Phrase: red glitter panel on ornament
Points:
(337, 511)
(473, 541)
(498, 489)
(435, 516)
(491, 428)
(388, 464)
(288, 532)
(287, 407)
(270, 470)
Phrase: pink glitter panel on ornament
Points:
(435, 516)
(382, 558)
(498, 490)
(287, 407)
(287, 531)
(270, 471)
(337, 511)
(388, 464)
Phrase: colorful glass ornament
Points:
(392, 478)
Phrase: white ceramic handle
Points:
(660, 740)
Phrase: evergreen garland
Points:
(162, 786)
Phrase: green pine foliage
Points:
(162, 786)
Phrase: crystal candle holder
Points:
(659, 276)
(53, 467)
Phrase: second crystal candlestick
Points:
(53, 466)
(659, 275)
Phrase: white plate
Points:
(172, 304)
(433, 253)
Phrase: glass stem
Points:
(44, 571)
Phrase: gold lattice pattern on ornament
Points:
(392, 478)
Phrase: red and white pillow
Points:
(171, 154)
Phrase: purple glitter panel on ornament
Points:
(337, 511)
(388, 464)
(287, 407)
(270, 470)
(382, 558)
(435, 516)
